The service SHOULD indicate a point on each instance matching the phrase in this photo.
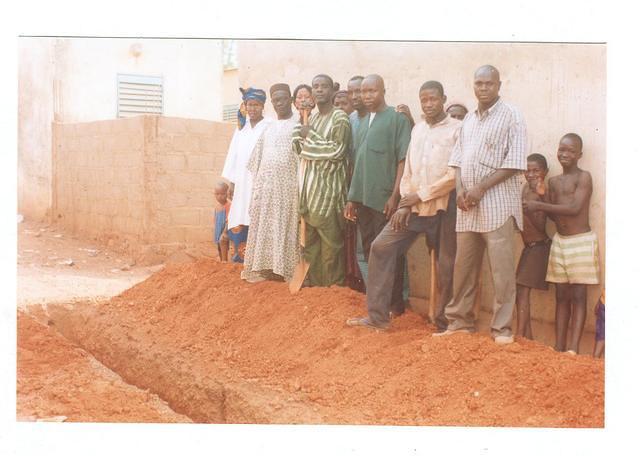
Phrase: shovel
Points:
(302, 268)
(433, 287)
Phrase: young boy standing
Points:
(221, 214)
(573, 262)
(532, 268)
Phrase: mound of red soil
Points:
(57, 381)
(222, 350)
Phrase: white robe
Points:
(235, 170)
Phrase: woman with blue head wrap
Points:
(235, 167)
(255, 98)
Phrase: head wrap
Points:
(280, 86)
(249, 94)
(253, 94)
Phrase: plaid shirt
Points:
(495, 139)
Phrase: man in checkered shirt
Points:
(488, 157)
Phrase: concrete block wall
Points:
(98, 173)
(146, 181)
(189, 156)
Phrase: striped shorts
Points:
(574, 259)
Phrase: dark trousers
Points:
(440, 230)
(353, 276)
(371, 223)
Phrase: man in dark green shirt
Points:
(381, 144)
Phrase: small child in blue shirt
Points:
(220, 236)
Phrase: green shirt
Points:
(324, 155)
(379, 148)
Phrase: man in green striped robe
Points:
(323, 147)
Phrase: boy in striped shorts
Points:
(573, 262)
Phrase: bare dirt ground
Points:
(221, 350)
(57, 380)
(54, 266)
(194, 342)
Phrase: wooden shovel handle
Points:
(433, 289)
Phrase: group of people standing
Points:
(347, 159)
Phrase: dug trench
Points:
(220, 350)
(58, 381)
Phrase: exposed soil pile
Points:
(221, 350)
(57, 381)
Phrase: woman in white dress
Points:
(235, 167)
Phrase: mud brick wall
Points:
(146, 181)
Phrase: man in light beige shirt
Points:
(428, 205)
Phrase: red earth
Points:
(218, 349)
(58, 381)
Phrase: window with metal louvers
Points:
(139, 95)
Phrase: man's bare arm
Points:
(459, 187)
(496, 177)
(461, 192)
(477, 192)
(549, 196)
(399, 173)
(392, 203)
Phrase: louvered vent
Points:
(138, 95)
(230, 113)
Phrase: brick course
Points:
(146, 180)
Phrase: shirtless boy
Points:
(532, 268)
(573, 262)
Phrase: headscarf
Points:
(249, 94)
